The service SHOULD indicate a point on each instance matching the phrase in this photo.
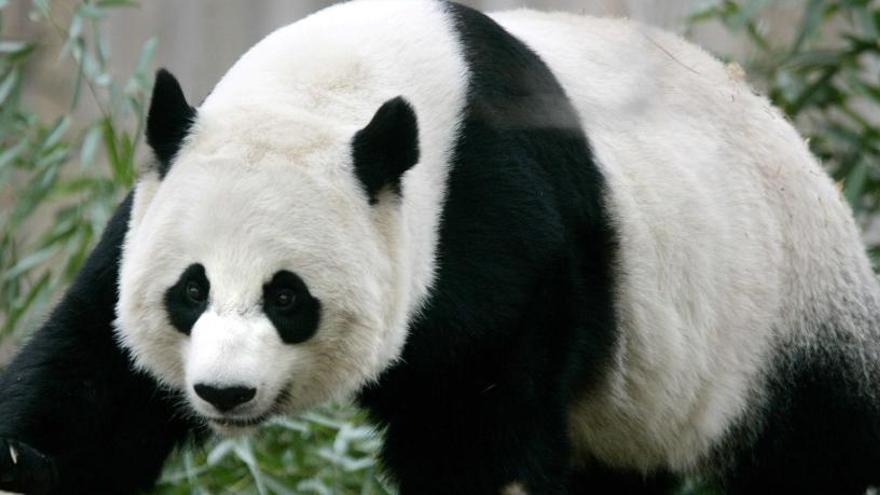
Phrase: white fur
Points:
(265, 183)
(734, 241)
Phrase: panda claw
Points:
(24, 469)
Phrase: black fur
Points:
(298, 321)
(386, 148)
(520, 317)
(169, 119)
(26, 470)
(183, 308)
(600, 479)
(817, 432)
(81, 419)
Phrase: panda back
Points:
(735, 245)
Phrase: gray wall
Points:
(200, 39)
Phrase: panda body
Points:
(737, 253)
(565, 255)
(686, 251)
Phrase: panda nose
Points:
(225, 398)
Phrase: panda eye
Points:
(195, 292)
(284, 299)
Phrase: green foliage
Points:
(75, 168)
(329, 451)
(51, 166)
(826, 78)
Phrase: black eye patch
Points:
(187, 299)
(291, 308)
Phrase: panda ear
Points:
(386, 148)
(168, 120)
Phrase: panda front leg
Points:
(74, 416)
(600, 479)
(483, 440)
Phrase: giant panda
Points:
(547, 253)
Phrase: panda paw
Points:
(24, 469)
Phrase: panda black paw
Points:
(24, 469)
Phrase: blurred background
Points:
(75, 74)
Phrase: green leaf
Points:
(814, 59)
(117, 3)
(705, 11)
(244, 451)
(10, 154)
(855, 184)
(313, 486)
(14, 48)
(56, 132)
(90, 11)
(290, 424)
(109, 134)
(43, 7)
(146, 58)
(59, 233)
(90, 146)
(9, 83)
(74, 31)
(277, 486)
(54, 158)
(30, 261)
(77, 255)
(11, 46)
(220, 451)
(813, 16)
(27, 302)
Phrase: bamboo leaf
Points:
(90, 11)
(43, 7)
(813, 16)
(117, 3)
(855, 184)
(9, 83)
(27, 302)
(90, 146)
(56, 132)
(146, 56)
(220, 451)
(10, 154)
(13, 47)
(29, 262)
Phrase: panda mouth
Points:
(234, 422)
(229, 424)
(239, 422)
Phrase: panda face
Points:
(260, 288)
(265, 267)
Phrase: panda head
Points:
(258, 272)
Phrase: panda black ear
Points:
(168, 120)
(387, 147)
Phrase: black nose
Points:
(225, 398)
